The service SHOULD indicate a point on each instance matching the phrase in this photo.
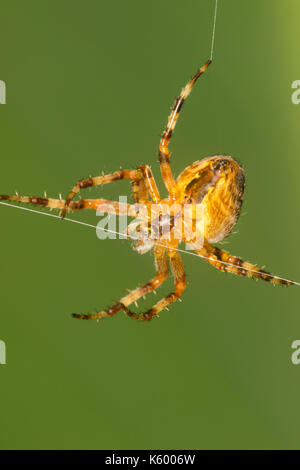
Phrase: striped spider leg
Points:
(162, 272)
(142, 182)
(164, 153)
(141, 179)
(222, 260)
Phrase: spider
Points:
(215, 184)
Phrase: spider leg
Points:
(180, 285)
(162, 270)
(104, 205)
(164, 153)
(135, 176)
(143, 184)
(217, 257)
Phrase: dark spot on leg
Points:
(238, 262)
(80, 204)
(178, 104)
(39, 201)
(163, 158)
(86, 183)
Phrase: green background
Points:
(89, 88)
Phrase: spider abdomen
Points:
(217, 185)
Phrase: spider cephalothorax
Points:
(202, 207)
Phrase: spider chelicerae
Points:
(214, 184)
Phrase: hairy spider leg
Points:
(164, 153)
(180, 285)
(136, 176)
(162, 271)
(104, 205)
(217, 257)
(143, 185)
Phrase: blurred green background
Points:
(89, 88)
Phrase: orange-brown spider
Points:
(214, 184)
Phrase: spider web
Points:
(213, 31)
